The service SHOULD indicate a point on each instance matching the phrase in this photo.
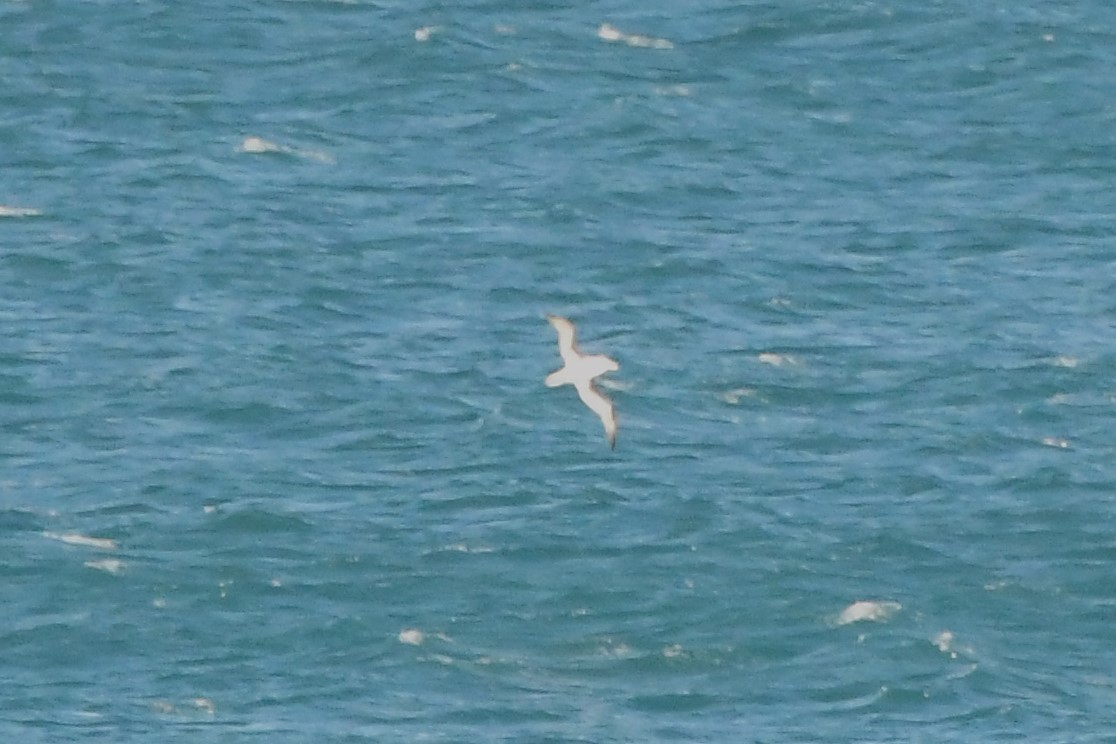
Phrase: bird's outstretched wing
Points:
(566, 333)
(601, 406)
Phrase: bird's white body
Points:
(579, 371)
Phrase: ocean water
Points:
(277, 462)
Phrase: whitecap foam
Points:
(732, 397)
(778, 360)
(679, 90)
(947, 643)
(412, 636)
(73, 538)
(165, 707)
(463, 548)
(6, 211)
(616, 649)
(868, 610)
(258, 146)
(108, 565)
(200, 704)
(944, 642)
(608, 32)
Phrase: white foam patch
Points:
(424, 33)
(672, 651)
(108, 565)
(412, 636)
(779, 360)
(1056, 442)
(199, 704)
(610, 33)
(682, 91)
(947, 644)
(84, 541)
(732, 397)
(463, 548)
(6, 211)
(616, 649)
(259, 146)
(868, 610)
(1068, 362)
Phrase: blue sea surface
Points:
(276, 458)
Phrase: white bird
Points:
(579, 371)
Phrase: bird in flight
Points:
(579, 371)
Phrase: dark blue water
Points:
(276, 458)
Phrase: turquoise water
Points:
(277, 462)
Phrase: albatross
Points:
(579, 371)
